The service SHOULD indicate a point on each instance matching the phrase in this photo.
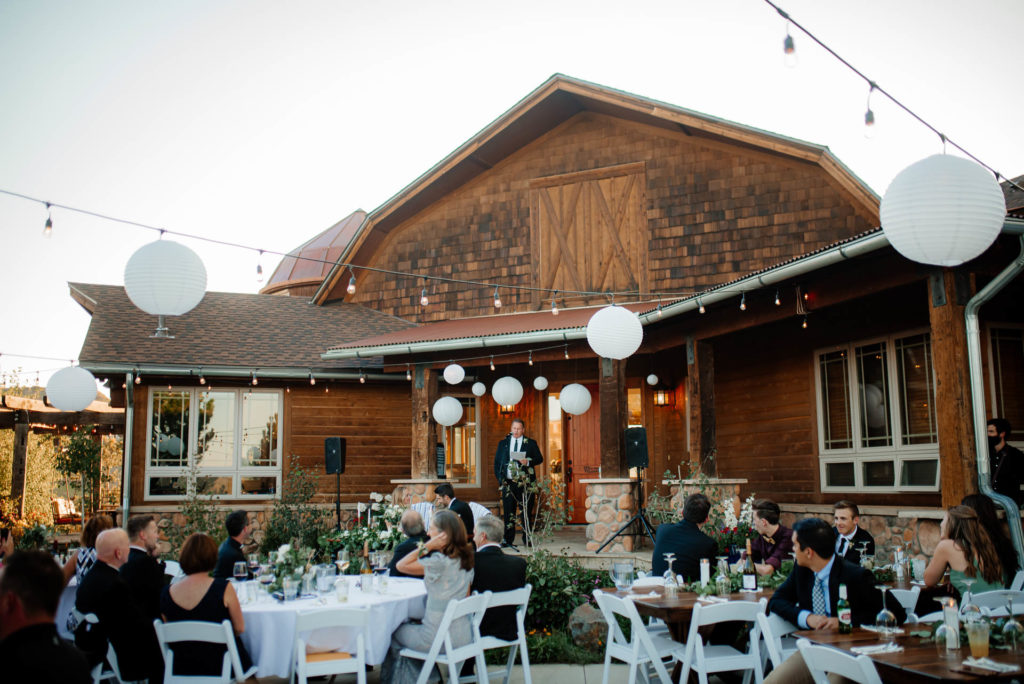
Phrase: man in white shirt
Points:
(524, 451)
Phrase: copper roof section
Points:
(310, 263)
(1014, 197)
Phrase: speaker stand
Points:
(337, 498)
(640, 517)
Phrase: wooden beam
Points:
(63, 419)
(423, 435)
(613, 408)
(700, 401)
(19, 464)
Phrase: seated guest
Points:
(206, 599)
(774, 540)
(121, 622)
(30, 650)
(446, 565)
(685, 539)
(809, 595)
(412, 527)
(496, 571)
(849, 534)
(446, 495)
(143, 573)
(968, 552)
(230, 552)
(989, 520)
(82, 559)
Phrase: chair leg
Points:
(524, 658)
(607, 666)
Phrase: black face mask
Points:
(993, 441)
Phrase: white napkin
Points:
(874, 628)
(713, 599)
(877, 648)
(989, 664)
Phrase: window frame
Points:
(897, 453)
(236, 472)
(447, 439)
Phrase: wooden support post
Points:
(423, 434)
(613, 407)
(19, 464)
(949, 291)
(700, 402)
(95, 493)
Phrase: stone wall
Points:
(889, 525)
(610, 503)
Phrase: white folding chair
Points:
(168, 633)
(519, 598)
(822, 661)
(307, 665)
(994, 602)
(107, 669)
(723, 658)
(1018, 581)
(908, 599)
(778, 645)
(642, 650)
(454, 657)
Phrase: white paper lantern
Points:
(454, 374)
(71, 389)
(614, 332)
(574, 398)
(540, 383)
(652, 379)
(507, 391)
(447, 411)
(942, 210)
(170, 444)
(479, 389)
(165, 278)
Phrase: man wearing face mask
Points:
(1005, 462)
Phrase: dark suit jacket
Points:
(865, 600)
(403, 550)
(496, 571)
(861, 535)
(145, 577)
(37, 654)
(501, 456)
(104, 592)
(466, 513)
(688, 543)
(229, 553)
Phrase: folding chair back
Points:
(704, 659)
(515, 597)
(307, 665)
(822, 661)
(908, 599)
(168, 633)
(641, 650)
(777, 644)
(452, 656)
(995, 601)
(1018, 581)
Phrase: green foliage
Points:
(556, 646)
(81, 459)
(200, 514)
(560, 584)
(36, 537)
(772, 581)
(294, 517)
(41, 480)
(549, 508)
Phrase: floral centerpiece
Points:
(729, 531)
(376, 525)
(289, 561)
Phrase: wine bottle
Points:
(749, 574)
(364, 563)
(844, 612)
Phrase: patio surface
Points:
(571, 541)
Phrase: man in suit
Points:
(412, 527)
(496, 571)
(809, 596)
(445, 493)
(686, 540)
(848, 533)
(142, 572)
(526, 452)
(230, 551)
(104, 592)
(30, 649)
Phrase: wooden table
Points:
(919, 661)
(676, 612)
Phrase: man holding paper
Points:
(519, 449)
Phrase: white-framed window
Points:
(462, 448)
(877, 428)
(231, 436)
(1006, 375)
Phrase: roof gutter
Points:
(560, 335)
(234, 371)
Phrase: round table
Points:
(270, 625)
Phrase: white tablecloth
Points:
(270, 625)
(67, 602)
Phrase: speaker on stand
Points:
(636, 457)
(334, 463)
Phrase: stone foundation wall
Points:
(609, 503)
(679, 490)
(887, 524)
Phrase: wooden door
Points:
(582, 436)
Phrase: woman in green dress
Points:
(968, 551)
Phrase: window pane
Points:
(216, 443)
(919, 473)
(168, 445)
(167, 486)
(259, 429)
(878, 474)
(213, 485)
(839, 474)
(873, 385)
(835, 399)
(461, 447)
(1008, 362)
(259, 485)
(635, 403)
(916, 390)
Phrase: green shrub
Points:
(293, 517)
(201, 515)
(560, 584)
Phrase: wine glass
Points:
(266, 577)
(670, 558)
(241, 571)
(965, 605)
(254, 563)
(343, 561)
(622, 575)
(942, 640)
(1013, 631)
(885, 621)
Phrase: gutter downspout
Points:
(126, 472)
(978, 398)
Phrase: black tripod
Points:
(640, 517)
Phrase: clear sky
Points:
(264, 122)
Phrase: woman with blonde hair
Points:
(967, 550)
(445, 562)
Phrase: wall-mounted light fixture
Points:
(507, 409)
(664, 397)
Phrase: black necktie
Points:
(842, 549)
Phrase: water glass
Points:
(341, 590)
(291, 588)
(325, 578)
(918, 567)
(977, 636)
(622, 575)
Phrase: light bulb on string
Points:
(424, 300)
(408, 372)
(362, 378)
(661, 312)
(259, 267)
(566, 351)
(700, 307)
(202, 378)
(492, 363)
(869, 115)
(554, 306)
(255, 381)
(138, 377)
(778, 302)
(743, 302)
(48, 228)
(789, 57)
(497, 299)
(530, 359)
(351, 289)
(804, 325)
(312, 380)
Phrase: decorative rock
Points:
(612, 490)
(877, 527)
(601, 532)
(625, 502)
(606, 514)
(590, 515)
(928, 536)
(588, 628)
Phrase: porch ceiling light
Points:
(942, 210)
(540, 383)
(575, 399)
(614, 332)
(507, 390)
(447, 411)
(454, 374)
(479, 389)
(652, 379)
(71, 389)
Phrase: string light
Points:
(287, 389)
(700, 306)
(138, 377)
(351, 289)
(566, 351)
(869, 116)
(778, 302)
(202, 379)
(743, 302)
(497, 299)
(362, 378)
(789, 50)
(804, 325)
(327, 389)
(48, 228)
(554, 307)
(424, 301)
(312, 380)
(492, 363)
(530, 359)
(408, 372)
(259, 267)
(255, 381)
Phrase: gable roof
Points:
(226, 329)
(556, 100)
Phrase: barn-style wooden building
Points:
(793, 347)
